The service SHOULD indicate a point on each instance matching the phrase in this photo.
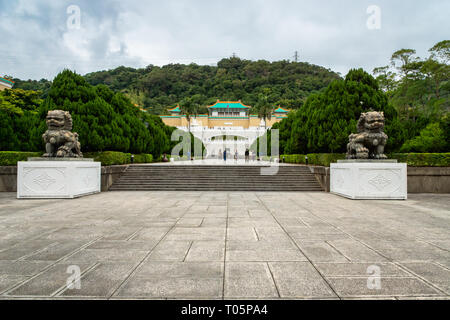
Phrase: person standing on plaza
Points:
(236, 156)
(225, 155)
(247, 154)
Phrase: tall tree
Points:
(264, 108)
(188, 107)
(402, 59)
(441, 51)
(324, 123)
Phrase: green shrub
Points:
(293, 158)
(431, 139)
(319, 159)
(143, 158)
(10, 158)
(324, 159)
(109, 158)
(412, 159)
(423, 159)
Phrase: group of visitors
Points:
(223, 155)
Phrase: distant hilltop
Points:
(158, 89)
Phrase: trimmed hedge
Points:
(143, 158)
(412, 159)
(293, 158)
(324, 159)
(109, 158)
(319, 159)
(10, 158)
(423, 159)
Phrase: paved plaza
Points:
(225, 245)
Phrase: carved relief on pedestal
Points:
(38, 180)
(385, 181)
(44, 180)
(380, 182)
(339, 180)
(88, 177)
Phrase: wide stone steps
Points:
(215, 178)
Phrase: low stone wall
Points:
(111, 174)
(420, 179)
(322, 175)
(8, 177)
(428, 179)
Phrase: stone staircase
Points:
(215, 178)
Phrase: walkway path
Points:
(225, 245)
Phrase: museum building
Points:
(229, 125)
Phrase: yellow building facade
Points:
(224, 114)
(6, 84)
(229, 125)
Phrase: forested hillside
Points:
(104, 119)
(157, 88)
(414, 94)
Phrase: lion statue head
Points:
(59, 120)
(372, 122)
(370, 140)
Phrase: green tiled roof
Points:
(7, 81)
(229, 104)
(281, 110)
(176, 109)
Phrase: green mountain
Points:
(156, 88)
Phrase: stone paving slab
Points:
(47, 283)
(359, 269)
(170, 251)
(206, 251)
(348, 287)
(102, 281)
(431, 272)
(250, 280)
(232, 245)
(299, 279)
(22, 268)
(9, 281)
(186, 288)
(163, 269)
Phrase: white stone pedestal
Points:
(369, 179)
(57, 178)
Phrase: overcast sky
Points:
(39, 38)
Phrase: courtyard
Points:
(225, 245)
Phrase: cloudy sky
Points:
(39, 38)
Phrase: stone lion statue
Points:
(370, 140)
(59, 140)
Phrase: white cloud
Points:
(36, 42)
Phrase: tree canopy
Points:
(419, 90)
(104, 119)
(413, 93)
(157, 88)
(324, 123)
